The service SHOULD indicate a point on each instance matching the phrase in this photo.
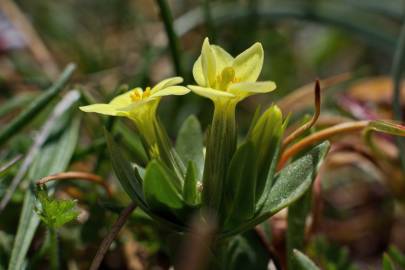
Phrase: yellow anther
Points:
(146, 93)
(135, 95)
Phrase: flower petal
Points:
(222, 58)
(248, 64)
(125, 99)
(166, 83)
(252, 87)
(105, 109)
(198, 73)
(171, 90)
(209, 92)
(136, 105)
(208, 63)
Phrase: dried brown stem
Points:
(115, 229)
(299, 98)
(295, 134)
(76, 175)
(320, 136)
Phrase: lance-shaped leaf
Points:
(240, 187)
(303, 262)
(290, 184)
(295, 179)
(160, 193)
(189, 143)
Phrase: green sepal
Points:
(190, 191)
(239, 195)
(189, 144)
(303, 262)
(159, 189)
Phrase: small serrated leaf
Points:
(55, 213)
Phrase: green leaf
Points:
(54, 157)
(190, 192)
(296, 178)
(160, 193)
(189, 143)
(387, 263)
(291, 183)
(55, 213)
(303, 262)
(239, 195)
(297, 216)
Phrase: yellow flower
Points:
(140, 105)
(134, 103)
(221, 77)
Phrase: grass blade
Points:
(171, 35)
(43, 135)
(53, 158)
(36, 106)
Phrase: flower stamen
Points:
(137, 94)
(226, 77)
